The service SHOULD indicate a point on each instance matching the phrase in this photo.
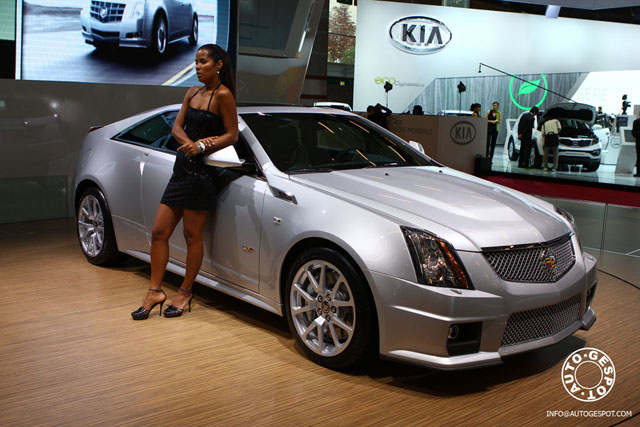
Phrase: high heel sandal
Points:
(173, 311)
(142, 313)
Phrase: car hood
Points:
(469, 212)
(571, 110)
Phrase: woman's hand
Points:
(189, 148)
(209, 142)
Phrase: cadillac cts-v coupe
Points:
(362, 242)
(139, 23)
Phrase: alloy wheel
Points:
(322, 308)
(161, 36)
(91, 226)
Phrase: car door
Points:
(233, 239)
(232, 233)
(136, 144)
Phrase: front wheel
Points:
(535, 159)
(193, 37)
(95, 229)
(592, 167)
(511, 149)
(329, 309)
(159, 36)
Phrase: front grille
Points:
(538, 263)
(105, 11)
(584, 142)
(531, 325)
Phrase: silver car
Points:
(139, 23)
(362, 242)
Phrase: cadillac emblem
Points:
(549, 259)
(103, 12)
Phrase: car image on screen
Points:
(364, 244)
(151, 24)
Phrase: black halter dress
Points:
(193, 183)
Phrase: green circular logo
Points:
(527, 88)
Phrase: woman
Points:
(494, 118)
(206, 122)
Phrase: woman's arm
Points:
(229, 114)
(178, 125)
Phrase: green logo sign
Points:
(527, 88)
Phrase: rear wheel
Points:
(95, 229)
(329, 309)
(193, 37)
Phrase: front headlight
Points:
(567, 215)
(137, 10)
(435, 261)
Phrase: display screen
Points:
(7, 20)
(147, 42)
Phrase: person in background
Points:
(635, 131)
(475, 110)
(494, 116)
(417, 110)
(206, 122)
(525, 129)
(550, 140)
(379, 115)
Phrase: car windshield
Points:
(308, 142)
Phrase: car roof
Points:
(289, 109)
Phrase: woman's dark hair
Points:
(217, 53)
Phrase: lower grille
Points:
(531, 325)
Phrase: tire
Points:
(591, 167)
(336, 309)
(159, 36)
(511, 149)
(535, 159)
(193, 37)
(95, 229)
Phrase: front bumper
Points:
(415, 321)
(126, 33)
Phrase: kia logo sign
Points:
(419, 35)
(462, 133)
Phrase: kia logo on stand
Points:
(419, 34)
(462, 133)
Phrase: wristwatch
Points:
(201, 146)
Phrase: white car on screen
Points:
(150, 24)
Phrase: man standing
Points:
(635, 131)
(525, 129)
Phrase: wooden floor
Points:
(70, 354)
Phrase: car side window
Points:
(153, 132)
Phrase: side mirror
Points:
(225, 158)
(417, 146)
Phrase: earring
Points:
(218, 71)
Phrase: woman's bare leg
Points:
(194, 223)
(165, 222)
